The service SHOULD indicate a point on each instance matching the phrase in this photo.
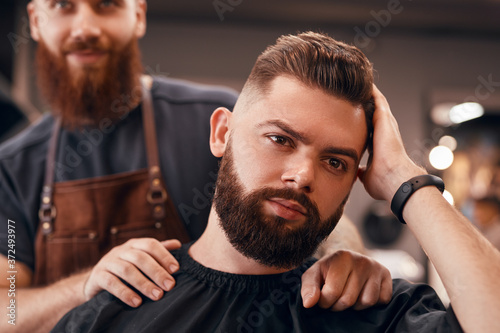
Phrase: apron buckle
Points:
(157, 196)
(47, 215)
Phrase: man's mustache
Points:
(289, 194)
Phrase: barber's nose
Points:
(299, 175)
(85, 24)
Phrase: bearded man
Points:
(290, 155)
(87, 192)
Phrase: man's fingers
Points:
(311, 284)
(151, 268)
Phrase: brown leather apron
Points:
(81, 220)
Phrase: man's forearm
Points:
(468, 264)
(39, 309)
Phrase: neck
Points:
(213, 250)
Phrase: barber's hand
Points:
(133, 262)
(388, 165)
(346, 279)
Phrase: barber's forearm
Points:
(39, 309)
(466, 262)
(345, 236)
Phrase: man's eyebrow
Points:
(349, 152)
(285, 128)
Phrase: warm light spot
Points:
(441, 157)
(449, 197)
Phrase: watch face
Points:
(380, 226)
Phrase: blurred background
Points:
(437, 62)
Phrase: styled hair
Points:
(316, 60)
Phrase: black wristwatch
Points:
(408, 188)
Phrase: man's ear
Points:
(141, 18)
(219, 131)
(33, 19)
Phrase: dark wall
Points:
(7, 34)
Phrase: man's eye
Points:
(280, 140)
(336, 163)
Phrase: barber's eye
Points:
(61, 4)
(107, 3)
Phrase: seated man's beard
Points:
(262, 238)
(86, 96)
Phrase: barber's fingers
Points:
(346, 279)
(324, 281)
(337, 282)
(145, 264)
(369, 285)
(104, 280)
(156, 250)
(171, 244)
(312, 280)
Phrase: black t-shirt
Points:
(182, 114)
(205, 300)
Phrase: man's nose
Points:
(299, 175)
(85, 24)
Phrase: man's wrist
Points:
(397, 177)
(408, 188)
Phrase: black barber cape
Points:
(205, 300)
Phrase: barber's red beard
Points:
(86, 96)
(262, 238)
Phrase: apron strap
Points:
(47, 212)
(157, 195)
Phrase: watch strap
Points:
(409, 187)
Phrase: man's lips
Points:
(86, 56)
(287, 209)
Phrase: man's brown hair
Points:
(316, 60)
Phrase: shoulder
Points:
(94, 315)
(184, 92)
(29, 140)
(404, 287)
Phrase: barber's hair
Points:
(316, 60)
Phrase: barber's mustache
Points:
(94, 45)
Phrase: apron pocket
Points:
(119, 234)
(68, 254)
